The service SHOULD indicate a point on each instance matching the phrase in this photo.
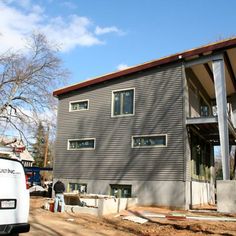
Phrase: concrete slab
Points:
(135, 219)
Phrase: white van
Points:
(14, 198)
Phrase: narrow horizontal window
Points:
(121, 191)
(79, 105)
(77, 187)
(149, 141)
(123, 102)
(80, 144)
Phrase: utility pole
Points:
(46, 152)
(46, 147)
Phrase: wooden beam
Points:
(209, 71)
(202, 120)
(230, 69)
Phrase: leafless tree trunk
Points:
(27, 79)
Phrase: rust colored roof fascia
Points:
(116, 75)
(148, 65)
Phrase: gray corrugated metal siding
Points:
(158, 110)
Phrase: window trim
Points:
(80, 139)
(112, 102)
(83, 100)
(149, 135)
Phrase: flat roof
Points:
(209, 48)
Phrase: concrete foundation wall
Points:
(226, 196)
(159, 193)
(85, 210)
(103, 206)
(111, 206)
(202, 193)
(187, 195)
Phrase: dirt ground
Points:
(47, 223)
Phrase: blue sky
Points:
(101, 36)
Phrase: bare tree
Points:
(27, 79)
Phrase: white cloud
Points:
(68, 32)
(69, 5)
(37, 9)
(24, 3)
(14, 26)
(105, 30)
(122, 66)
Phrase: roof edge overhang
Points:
(220, 45)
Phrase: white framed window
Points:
(123, 102)
(148, 141)
(81, 144)
(80, 105)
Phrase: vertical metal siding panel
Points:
(158, 110)
(188, 159)
(187, 151)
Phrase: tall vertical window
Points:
(123, 102)
(204, 108)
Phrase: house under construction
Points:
(149, 131)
